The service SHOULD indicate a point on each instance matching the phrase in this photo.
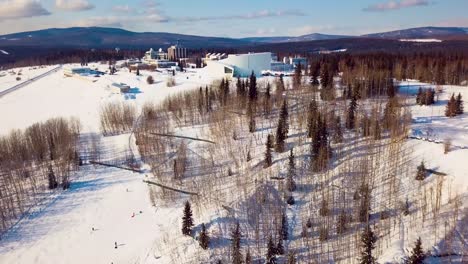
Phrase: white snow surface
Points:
(59, 229)
(420, 40)
(430, 128)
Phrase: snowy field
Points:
(8, 78)
(59, 230)
(116, 203)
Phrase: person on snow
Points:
(115, 244)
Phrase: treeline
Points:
(34, 160)
(20, 57)
(372, 74)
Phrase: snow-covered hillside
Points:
(109, 215)
(114, 202)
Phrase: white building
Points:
(240, 65)
(295, 61)
(155, 55)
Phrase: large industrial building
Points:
(176, 52)
(240, 65)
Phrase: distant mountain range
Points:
(98, 37)
(423, 33)
(309, 37)
(33, 44)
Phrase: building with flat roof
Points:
(176, 52)
(152, 55)
(240, 65)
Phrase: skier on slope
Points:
(116, 245)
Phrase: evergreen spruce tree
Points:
(297, 80)
(52, 179)
(222, 93)
(235, 245)
(421, 173)
(451, 108)
(187, 220)
(325, 76)
(338, 132)
(283, 128)
(351, 115)
(268, 91)
(268, 156)
(291, 183)
(417, 254)
(271, 252)
(312, 118)
(430, 97)
(459, 109)
(315, 72)
(253, 87)
(327, 92)
(204, 239)
(248, 257)
(267, 100)
(368, 240)
(279, 247)
(316, 137)
(284, 233)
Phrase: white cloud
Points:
(13, 9)
(151, 3)
(73, 5)
(123, 9)
(255, 15)
(395, 5)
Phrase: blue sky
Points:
(238, 18)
